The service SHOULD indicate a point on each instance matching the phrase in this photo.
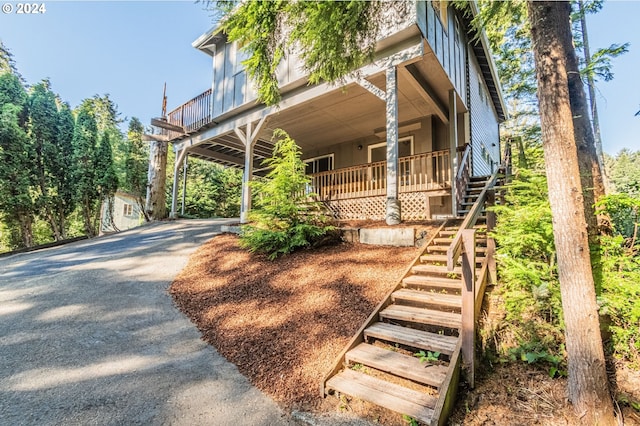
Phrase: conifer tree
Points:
(106, 180)
(136, 163)
(16, 160)
(43, 129)
(63, 173)
(85, 137)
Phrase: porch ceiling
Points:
(346, 114)
(339, 115)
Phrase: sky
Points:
(129, 49)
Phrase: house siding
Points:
(447, 42)
(484, 124)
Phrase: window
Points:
(127, 210)
(378, 152)
(319, 164)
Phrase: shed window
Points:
(127, 210)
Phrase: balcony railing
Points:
(422, 172)
(192, 115)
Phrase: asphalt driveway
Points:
(88, 335)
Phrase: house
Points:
(393, 143)
(412, 135)
(125, 214)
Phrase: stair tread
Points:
(443, 258)
(428, 297)
(433, 269)
(398, 364)
(388, 395)
(410, 337)
(437, 248)
(433, 282)
(422, 316)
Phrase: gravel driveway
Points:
(88, 335)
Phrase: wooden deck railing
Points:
(463, 175)
(421, 172)
(193, 114)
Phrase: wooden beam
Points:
(423, 88)
(155, 138)
(468, 331)
(220, 156)
(157, 122)
(375, 90)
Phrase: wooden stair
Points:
(420, 316)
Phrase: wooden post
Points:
(453, 148)
(246, 180)
(468, 331)
(176, 176)
(491, 244)
(249, 138)
(184, 183)
(393, 214)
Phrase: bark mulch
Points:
(283, 323)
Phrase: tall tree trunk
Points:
(588, 161)
(156, 206)
(590, 171)
(592, 94)
(26, 229)
(87, 216)
(588, 385)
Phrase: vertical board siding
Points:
(484, 124)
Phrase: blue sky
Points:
(130, 48)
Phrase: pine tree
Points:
(106, 180)
(63, 172)
(553, 50)
(17, 165)
(136, 163)
(43, 129)
(85, 138)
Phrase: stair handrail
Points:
(463, 175)
(455, 249)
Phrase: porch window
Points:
(378, 152)
(319, 164)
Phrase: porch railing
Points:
(193, 114)
(421, 172)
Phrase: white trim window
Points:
(322, 163)
(127, 209)
(378, 151)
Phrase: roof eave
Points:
(499, 103)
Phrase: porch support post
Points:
(246, 180)
(393, 214)
(180, 155)
(184, 183)
(248, 138)
(453, 148)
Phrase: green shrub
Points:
(529, 290)
(621, 276)
(285, 217)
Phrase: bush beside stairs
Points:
(406, 356)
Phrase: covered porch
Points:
(384, 145)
